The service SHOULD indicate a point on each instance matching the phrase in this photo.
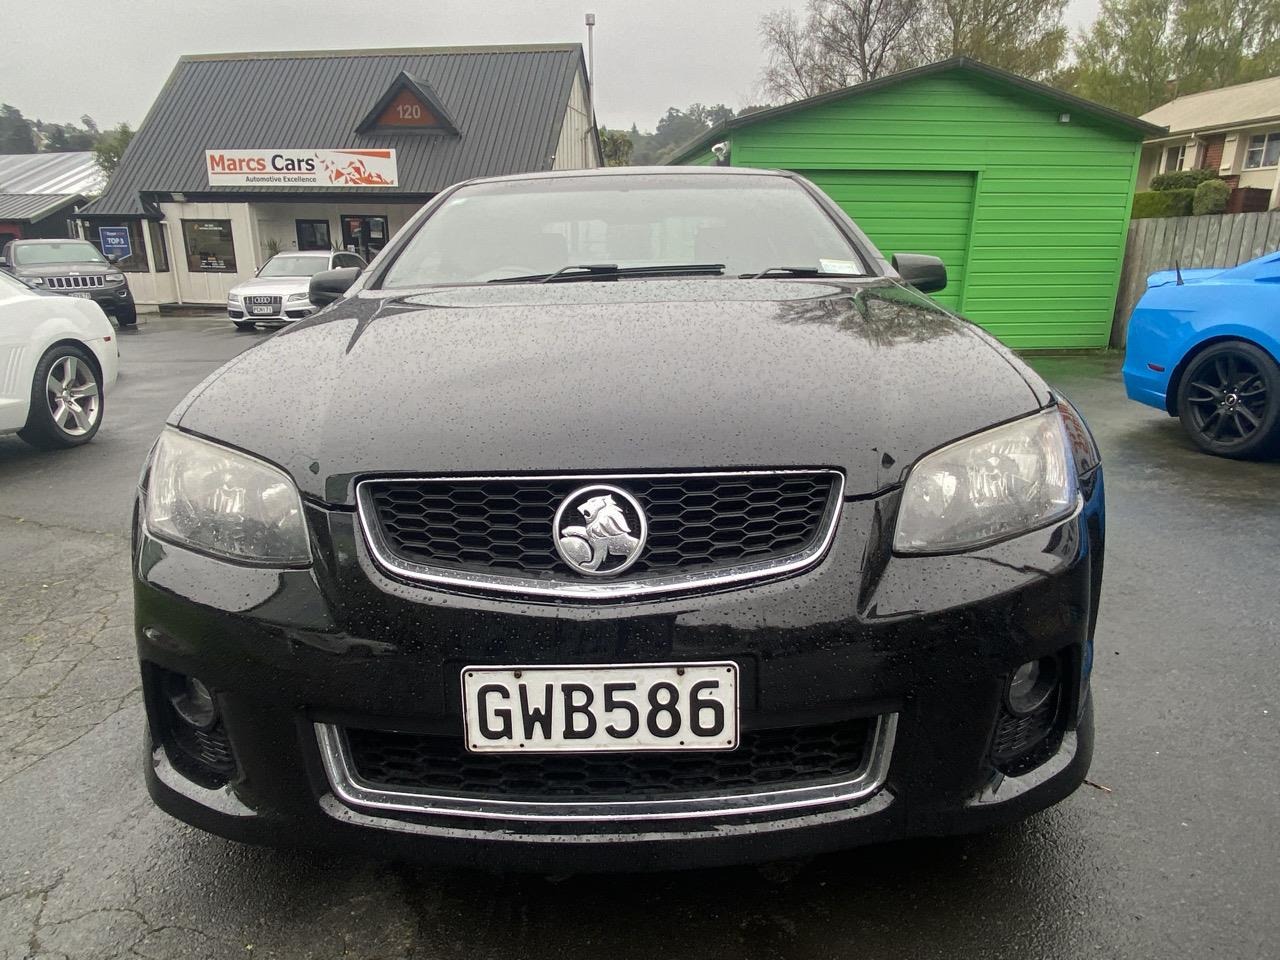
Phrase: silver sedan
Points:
(278, 292)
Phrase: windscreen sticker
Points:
(838, 266)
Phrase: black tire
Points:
(127, 316)
(43, 428)
(1229, 401)
(244, 324)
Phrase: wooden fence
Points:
(1222, 240)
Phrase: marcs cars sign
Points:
(301, 168)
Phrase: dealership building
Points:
(244, 155)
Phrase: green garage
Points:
(1024, 191)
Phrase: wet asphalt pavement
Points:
(1178, 856)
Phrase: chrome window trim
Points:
(361, 794)
(597, 589)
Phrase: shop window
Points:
(313, 235)
(159, 246)
(136, 261)
(209, 246)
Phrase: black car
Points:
(72, 268)
(614, 520)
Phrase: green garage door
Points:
(909, 211)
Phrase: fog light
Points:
(193, 702)
(1031, 685)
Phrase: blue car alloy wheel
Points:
(1229, 400)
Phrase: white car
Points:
(277, 294)
(58, 357)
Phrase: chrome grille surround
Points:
(566, 585)
(258, 300)
(861, 786)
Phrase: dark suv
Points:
(72, 268)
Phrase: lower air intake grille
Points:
(764, 760)
(1023, 743)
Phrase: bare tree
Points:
(794, 69)
(867, 37)
(1026, 37)
(836, 43)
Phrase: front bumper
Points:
(921, 646)
(114, 300)
(286, 314)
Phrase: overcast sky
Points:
(60, 59)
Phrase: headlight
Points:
(115, 278)
(233, 297)
(995, 485)
(293, 297)
(33, 281)
(225, 502)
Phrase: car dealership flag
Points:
(301, 168)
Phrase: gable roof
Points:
(74, 172)
(964, 65)
(419, 89)
(507, 102)
(1255, 102)
(30, 207)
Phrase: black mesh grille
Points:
(209, 747)
(1018, 742)
(764, 760)
(695, 523)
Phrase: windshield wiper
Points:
(611, 271)
(796, 272)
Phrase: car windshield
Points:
(530, 228)
(72, 251)
(293, 265)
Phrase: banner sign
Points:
(115, 240)
(301, 168)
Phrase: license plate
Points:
(261, 308)
(622, 707)
(80, 293)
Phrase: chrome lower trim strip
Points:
(361, 794)
(596, 589)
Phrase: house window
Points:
(159, 246)
(1173, 158)
(313, 235)
(1264, 151)
(209, 246)
(136, 261)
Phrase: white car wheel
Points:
(66, 399)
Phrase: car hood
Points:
(601, 377)
(272, 286)
(84, 269)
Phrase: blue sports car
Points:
(1203, 346)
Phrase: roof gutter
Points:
(1194, 132)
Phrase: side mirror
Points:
(112, 258)
(927, 274)
(330, 285)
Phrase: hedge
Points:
(1182, 179)
(1162, 203)
(1211, 197)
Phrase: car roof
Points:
(637, 171)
